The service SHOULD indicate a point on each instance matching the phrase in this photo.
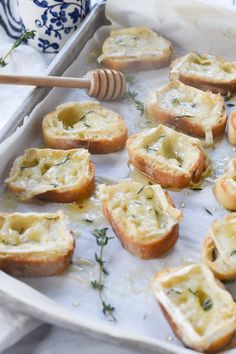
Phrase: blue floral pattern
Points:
(56, 21)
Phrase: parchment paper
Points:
(127, 286)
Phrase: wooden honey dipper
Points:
(103, 84)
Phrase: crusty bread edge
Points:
(208, 247)
(224, 195)
(138, 64)
(79, 193)
(232, 128)
(167, 178)
(213, 348)
(184, 124)
(94, 145)
(147, 250)
(41, 264)
(206, 85)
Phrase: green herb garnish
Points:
(230, 105)
(141, 189)
(207, 304)
(175, 101)
(87, 125)
(129, 77)
(26, 35)
(102, 240)
(233, 253)
(208, 211)
(54, 185)
(64, 161)
(88, 220)
(184, 116)
(195, 293)
(131, 96)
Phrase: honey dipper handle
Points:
(47, 81)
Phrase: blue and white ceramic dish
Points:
(53, 20)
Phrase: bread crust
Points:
(95, 145)
(224, 193)
(165, 116)
(166, 177)
(142, 61)
(206, 84)
(232, 128)
(36, 265)
(213, 348)
(76, 194)
(36, 260)
(214, 86)
(179, 329)
(208, 249)
(152, 249)
(138, 64)
(73, 193)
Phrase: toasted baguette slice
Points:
(225, 187)
(35, 245)
(72, 125)
(135, 48)
(232, 128)
(219, 251)
(170, 158)
(200, 311)
(143, 217)
(53, 175)
(206, 72)
(193, 111)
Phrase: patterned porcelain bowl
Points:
(53, 20)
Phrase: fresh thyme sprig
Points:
(131, 96)
(26, 35)
(102, 240)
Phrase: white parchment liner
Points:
(197, 26)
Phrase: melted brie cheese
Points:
(33, 232)
(134, 42)
(201, 309)
(204, 66)
(168, 148)
(143, 210)
(42, 170)
(202, 108)
(82, 121)
(223, 233)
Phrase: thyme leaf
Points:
(26, 35)
(131, 96)
(64, 161)
(208, 211)
(207, 304)
(102, 240)
(233, 253)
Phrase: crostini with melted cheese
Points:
(225, 187)
(170, 158)
(219, 251)
(206, 72)
(195, 112)
(135, 48)
(35, 245)
(232, 128)
(61, 176)
(200, 311)
(143, 217)
(88, 124)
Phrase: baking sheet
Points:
(127, 286)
